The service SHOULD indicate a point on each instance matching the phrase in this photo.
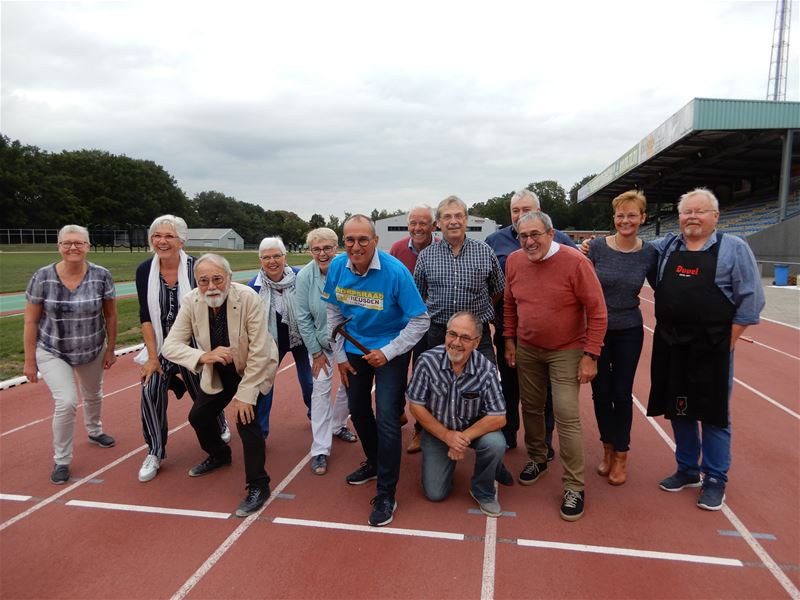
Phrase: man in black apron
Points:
(708, 291)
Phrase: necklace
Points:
(617, 247)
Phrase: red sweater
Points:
(404, 254)
(555, 304)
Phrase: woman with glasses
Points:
(327, 420)
(70, 330)
(621, 262)
(161, 282)
(275, 284)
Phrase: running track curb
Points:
(15, 381)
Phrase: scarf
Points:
(286, 285)
(153, 299)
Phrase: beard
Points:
(216, 298)
(456, 355)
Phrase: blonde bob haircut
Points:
(634, 196)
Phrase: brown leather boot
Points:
(605, 465)
(619, 463)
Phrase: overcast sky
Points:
(340, 106)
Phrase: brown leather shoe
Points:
(619, 463)
(414, 447)
(605, 465)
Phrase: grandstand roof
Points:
(708, 142)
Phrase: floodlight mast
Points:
(779, 60)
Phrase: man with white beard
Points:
(221, 333)
(456, 396)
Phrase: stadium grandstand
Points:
(746, 151)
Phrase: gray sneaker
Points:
(491, 508)
(60, 474)
(712, 495)
(680, 480)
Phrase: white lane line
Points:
(780, 323)
(788, 411)
(755, 546)
(440, 535)
(160, 510)
(489, 548)
(236, 534)
(15, 497)
(37, 421)
(757, 343)
(694, 558)
(78, 483)
(777, 404)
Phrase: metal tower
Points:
(779, 61)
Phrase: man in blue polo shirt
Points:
(386, 315)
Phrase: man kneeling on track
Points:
(456, 396)
(237, 359)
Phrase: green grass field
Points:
(17, 266)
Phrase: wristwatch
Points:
(594, 357)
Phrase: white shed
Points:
(391, 229)
(226, 239)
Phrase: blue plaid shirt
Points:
(450, 284)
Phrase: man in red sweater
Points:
(554, 323)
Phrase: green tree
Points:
(553, 201)
(316, 221)
(498, 209)
(588, 215)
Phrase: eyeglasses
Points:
(362, 241)
(462, 338)
(72, 244)
(273, 257)
(166, 237)
(217, 280)
(524, 237)
(325, 249)
(697, 212)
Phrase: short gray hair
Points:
(476, 324)
(322, 233)
(534, 215)
(178, 225)
(74, 229)
(272, 242)
(424, 207)
(361, 217)
(218, 260)
(700, 191)
(526, 193)
(448, 201)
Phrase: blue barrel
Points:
(781, 274)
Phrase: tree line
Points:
(44, 190)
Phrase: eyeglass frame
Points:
(363, 241)
(535, 236)
(462, 338)
(68, 245)
(321, 249)
(217, 280)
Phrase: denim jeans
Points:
(303, 367)
(437, 467)
(613, 386)
(379, 430)
(714, 442)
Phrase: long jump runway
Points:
(105, 535)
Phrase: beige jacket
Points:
(255, 354)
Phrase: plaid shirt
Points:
(456, 401)
(468, 281)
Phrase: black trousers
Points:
(203, 417)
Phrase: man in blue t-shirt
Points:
(385, 314)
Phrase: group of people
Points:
(560, 319)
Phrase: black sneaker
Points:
(572, 505)
(383, 509)
(208, 465)
(103, 440)
(366, 472)
(504, 476)
(680, 480)
(60, 474)
(254, 500)
(712, 495)
(532, 472)
(551, 454)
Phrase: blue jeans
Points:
(613, 386)
(264, 403)
(437, 467)
(380, 430)
(714, 442)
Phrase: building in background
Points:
(391, 229)
(227, 239)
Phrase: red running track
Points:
(89, 539)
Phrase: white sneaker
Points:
(149, 468)
(226, 434)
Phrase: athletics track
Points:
(105, 535)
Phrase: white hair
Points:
(178, 225)
(424, 207)
(73, 229)
(700, 191)
(272, 242)
(525, 193)
(218, 260)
